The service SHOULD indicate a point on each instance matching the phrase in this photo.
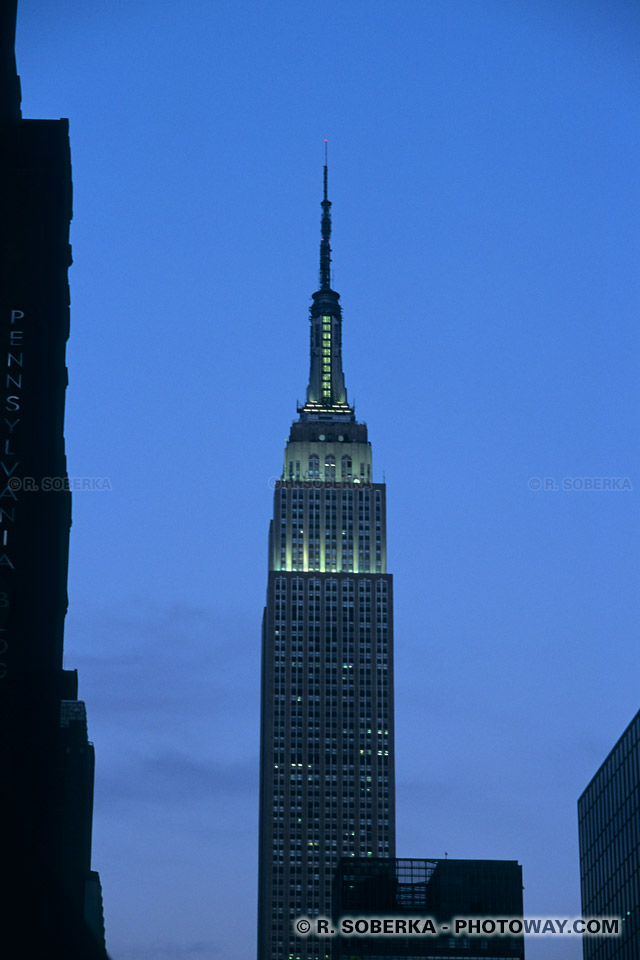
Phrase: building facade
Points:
(51, 898)
(609, 833)
(327, 766)
(438, 889)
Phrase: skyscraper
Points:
(51, 902)
(609, 833)
(327, 767)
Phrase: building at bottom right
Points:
(398, 889)
(609, 834)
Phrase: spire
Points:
(326, 393)
(325, 232)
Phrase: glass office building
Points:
(609, 831)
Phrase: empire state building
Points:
(326, 754)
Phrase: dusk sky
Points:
(484, 159)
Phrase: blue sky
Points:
(483, 171)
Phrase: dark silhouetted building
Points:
(609, 831)
(51, 902)
(327, 769)
(439, 889)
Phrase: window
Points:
(330, 468)
(314, 467)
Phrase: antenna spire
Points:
(326, 393)
(325, 231)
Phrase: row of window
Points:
(296, 471)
